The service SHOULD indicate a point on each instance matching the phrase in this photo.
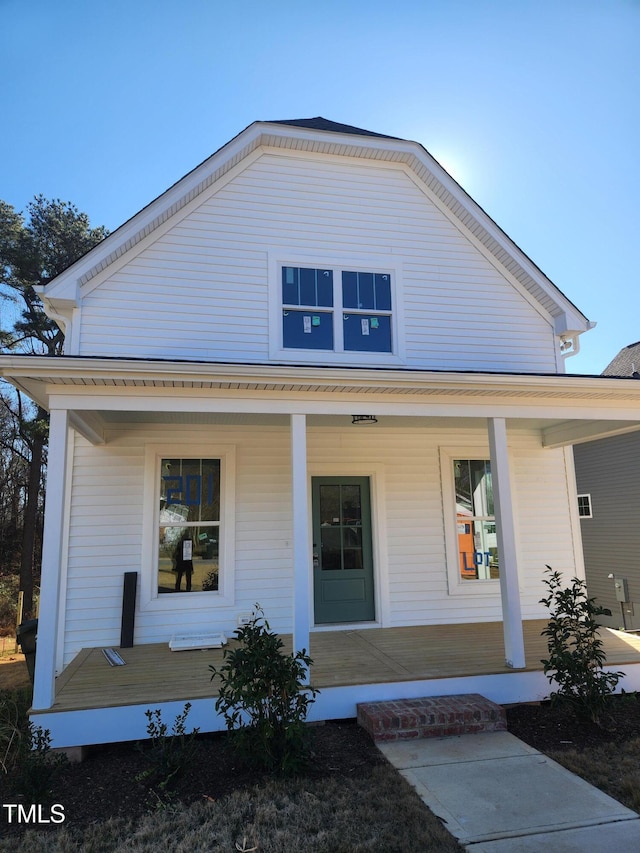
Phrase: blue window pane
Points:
(307, 329)
(307, 287)
(383, 292)
(325, 288)
(350, 289)
(367, 333)
(365, 290)
(290, 295)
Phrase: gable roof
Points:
(626, 363)
(320, 135)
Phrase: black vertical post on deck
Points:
(128, 609)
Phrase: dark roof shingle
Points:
(626, 363)
(320, 123)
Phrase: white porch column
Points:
(301, 537)
(505, 530)
(44, 681)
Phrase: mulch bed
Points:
(552, 729)
(104, 785)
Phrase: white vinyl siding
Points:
(200, 289)
(106, 524)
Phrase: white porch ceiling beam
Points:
(322, 403)
(89, 425)
(578, 432)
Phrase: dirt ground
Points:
(13, 669)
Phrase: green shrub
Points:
(169, 752)
(576, 654)
(264, 699)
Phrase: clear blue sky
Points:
(532, 105)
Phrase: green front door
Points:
(342, 554)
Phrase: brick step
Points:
(434, 716)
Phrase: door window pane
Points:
(340, 527)
(352, 547)
(351, 505)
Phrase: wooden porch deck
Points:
(153, 674)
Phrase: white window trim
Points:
(150, 599)
(456, 585)
(588, 496)
(336, 263)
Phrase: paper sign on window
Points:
(187, 549)
(306, 320)
(365, 325)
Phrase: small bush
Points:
(25, 750)
(13, 727)
(576, 654)
(170, 752)
(37, 766)
(264, 698)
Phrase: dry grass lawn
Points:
(614, 768)
(377, 814)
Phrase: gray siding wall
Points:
(609, 470)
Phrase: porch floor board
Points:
(154, 674)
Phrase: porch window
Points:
(475, 520)
(189, 527)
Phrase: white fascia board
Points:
(49, 369)
(569, 318)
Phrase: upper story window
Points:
(339, 310)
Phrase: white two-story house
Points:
(314, 375)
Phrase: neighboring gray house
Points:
(608, 481)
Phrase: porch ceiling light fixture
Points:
(364, 419)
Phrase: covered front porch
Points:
(274, 433)
(350, 666)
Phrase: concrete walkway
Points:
(495, 794)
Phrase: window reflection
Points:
(189, 525)
(475, 520)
